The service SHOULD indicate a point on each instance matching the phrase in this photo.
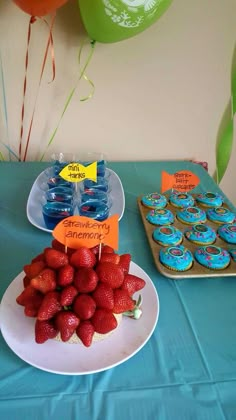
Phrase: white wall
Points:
(159, 95)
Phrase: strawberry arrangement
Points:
(78, 292)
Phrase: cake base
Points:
(96, 337)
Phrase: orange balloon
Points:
(39, 7)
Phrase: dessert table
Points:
(186, 370)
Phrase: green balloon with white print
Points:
(114, 20)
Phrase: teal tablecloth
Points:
(187, 370)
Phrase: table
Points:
(187, 370)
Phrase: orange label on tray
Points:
(76, 231)
(75, 172)
(182, 181)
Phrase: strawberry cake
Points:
(79, 295)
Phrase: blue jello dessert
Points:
(94, 194)
(58, 166)
(55, 212)
(95, 209)
(101, 167)
(212, 257)
(58, 181)
(177, 258)
(101, 184)
(61, 194)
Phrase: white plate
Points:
(34, 209)
(76, 359)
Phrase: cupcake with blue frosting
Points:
(212, 257)
(191, 215)
(200, 234)
(176, 258)
(181, 200)
(154, 201)
(167, 235)
(160, 217)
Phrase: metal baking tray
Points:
(197, 270)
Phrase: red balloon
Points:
(39, 7)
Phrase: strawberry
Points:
(85, 280)
(99, 249)
(39, 257)
(26, 281)
(55, 244)
(122, 301)
(66, 322)
(83, 257)
(49, 306)
(95, 249)
(55, 259)
(85, 332)
(107, 249)
(33, 269)
(32, 306)
(103, 321)
(84, 306)
(60, 247)
(110, 257)
(111, 274)
(68, 294)
(27, 295)
(125, 262)
(65, 275)
(132, 284)
(45, 281)
(103, 296)
(44, 330)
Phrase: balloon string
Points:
(49, 44)
(32, 20)
(225, 138)
(71, 94)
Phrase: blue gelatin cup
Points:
(94, 194)
(94, 209)
(90, 157)
(60, 194)
(57, 181)
(102, 184)
(60, 160)
(54, 212)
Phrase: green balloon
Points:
(115, 20)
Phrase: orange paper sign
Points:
(182, 181)
(76, 231)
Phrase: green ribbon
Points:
(225, 136)
(82, 75)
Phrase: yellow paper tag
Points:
(75, 172)
(76, 231)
